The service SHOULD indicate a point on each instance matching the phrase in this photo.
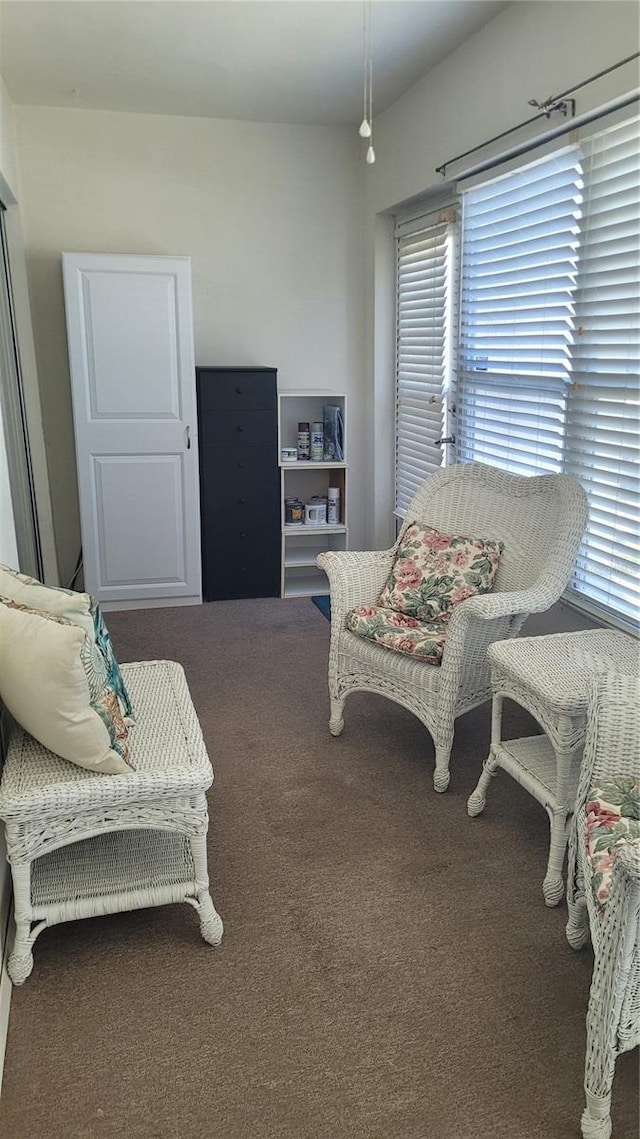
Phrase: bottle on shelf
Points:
(304, 442)
(317, 443)
(333, 505)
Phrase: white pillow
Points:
(65, 603)
(54, 682)
(81, 608)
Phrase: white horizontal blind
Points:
(603, 429)
(423, 353)
(519, 256)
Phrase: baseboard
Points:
(149, 603)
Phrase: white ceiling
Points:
(294, 61)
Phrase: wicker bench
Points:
(82, 844)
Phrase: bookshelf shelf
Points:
(304, 479)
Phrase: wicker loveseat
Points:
(540, 521)
(82, 843)
(603, 885)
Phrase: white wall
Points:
(10, 198)
(8, 166)
(531, 50)
(292, 265)
(270, 216)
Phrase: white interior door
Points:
(130, 334)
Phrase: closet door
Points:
(130, 336)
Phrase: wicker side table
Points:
(549, 677)
(81, 843)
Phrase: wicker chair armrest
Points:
(465, 651)
(628, 861)
(490, 605)
(355, 577)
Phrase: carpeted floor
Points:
(388, 971)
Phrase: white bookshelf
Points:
(301, 544)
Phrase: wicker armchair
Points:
(540, 520)
(612, 750)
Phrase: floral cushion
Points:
(80, 608)
(432, 572)
(613, 818)
(423, 640)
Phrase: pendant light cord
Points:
(365, 56)
(366, 129)
(370, 69)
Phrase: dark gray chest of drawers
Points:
(239, 482)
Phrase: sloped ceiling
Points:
(294, 61)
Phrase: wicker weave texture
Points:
(612, 749)
(549, 676)
(82, 843)
(166, 746)
(539, 520)
(554, 671)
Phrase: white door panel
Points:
(140, 494)
(130, 332)
(131, 366)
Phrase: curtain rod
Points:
(554, 103)
(549, 136)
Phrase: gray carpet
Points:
(388, 970)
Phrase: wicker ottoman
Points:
(82, 844)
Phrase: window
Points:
(547, 355)
(423, 351)
(603, 427)
(519, 257)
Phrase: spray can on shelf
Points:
(317, 442)
(303, 441)
(333, 506)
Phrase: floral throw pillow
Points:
(432, 572)
(423, 640)
(613, 818)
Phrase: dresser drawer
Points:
(235, 389)
(246, 428)
(250, 580)
(241, 557)
(251, 512)
(240, 469)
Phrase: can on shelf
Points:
(293, 512)
(315, 512)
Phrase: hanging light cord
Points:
(366, 126)
(365, 78)
(371, 157)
